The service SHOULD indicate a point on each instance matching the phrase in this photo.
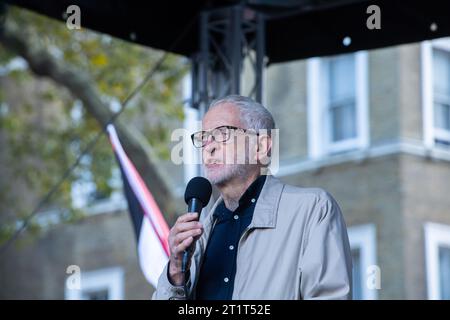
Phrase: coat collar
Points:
(266, 209)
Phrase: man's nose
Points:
(210, 145)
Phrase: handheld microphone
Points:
(197, 195)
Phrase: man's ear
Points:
(264, 147)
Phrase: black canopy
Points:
(295, 29)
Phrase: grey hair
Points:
(253, 114)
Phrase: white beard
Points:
(227, 173)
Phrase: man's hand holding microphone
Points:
(187, 230)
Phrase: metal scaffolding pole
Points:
(230, 39)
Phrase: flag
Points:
(151, 229)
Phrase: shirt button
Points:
(180, 292)
(226, 279)
(231, 247)
(253, 200)
(236, 217)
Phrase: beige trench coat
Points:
(296, 247)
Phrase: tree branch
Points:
(81, 86)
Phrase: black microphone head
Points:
(199, 188)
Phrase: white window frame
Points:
(111, 279)
(430, 133)
(318, 144)
(363, 237)
(191, 123)
(436, 235)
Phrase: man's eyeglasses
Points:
(219, 134)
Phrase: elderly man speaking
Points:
(262, 239)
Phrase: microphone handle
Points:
(194, 205)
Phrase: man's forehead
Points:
(225, 114)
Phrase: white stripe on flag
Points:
(152, 257)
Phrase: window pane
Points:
(444, 272)
(96, 295)
(441, 72)
(357, 280)
(342, 97)
(342, 78)
(343, 122)
(441, 88)
(442, 115)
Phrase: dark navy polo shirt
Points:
(216, 278)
